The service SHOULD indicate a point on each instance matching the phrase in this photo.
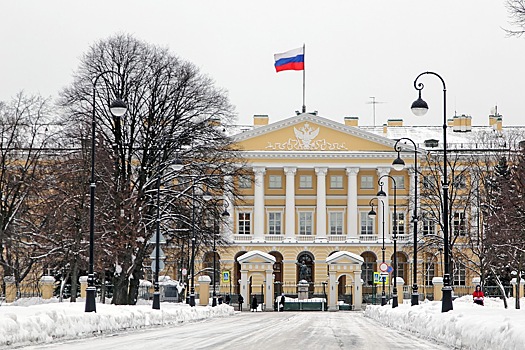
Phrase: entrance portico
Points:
(257, 262)
(344, 263)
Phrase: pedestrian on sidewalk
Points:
(241, 301)
(254, 304)
(478, 296)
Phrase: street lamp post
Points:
(419, 108)
(117, 108)
(382, 193)
(372, 214)
(224, 214)
(398, 164)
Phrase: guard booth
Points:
(344, 264)
(257, 267)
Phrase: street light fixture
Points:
(117, 108)
(399, 164)
(382, 193)
(372, 214)
(419, 108)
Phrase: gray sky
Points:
(354, 50)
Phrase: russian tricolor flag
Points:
(290, 60)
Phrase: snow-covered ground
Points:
(468, 326)
(30, 321)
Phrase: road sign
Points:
(390, 269)
(161, 265)
(225, 276)
(184, 272)
(380, 277)
(383, 267)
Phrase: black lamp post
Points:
(419, 108)
(176, 166)
(398, 164)
(117, 108)
(382, 193)
(372, 214)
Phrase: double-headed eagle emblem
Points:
(306, 134)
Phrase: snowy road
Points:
(263, 330)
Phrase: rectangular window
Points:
(459, 275)
(336, 181)
(305, 223)
(305, 181)
(400, 181)
(429, 272)
(460, 182)
(367, 224)
(429, 226)
(245, 181)
(429, 182)
(459, 224)
(400, 222)
(367, 181)
(336, 223)
(275, 181)
(244, 224)
(274, 223)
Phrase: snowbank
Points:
(468, 326)
(37, 323)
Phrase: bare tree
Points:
(516, 10)
(174, 112)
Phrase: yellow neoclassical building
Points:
(303, 211)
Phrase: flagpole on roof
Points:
(304, 75)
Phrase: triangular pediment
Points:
(308, 132)
(256, 257)
(344, 257)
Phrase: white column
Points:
(358, 287)
(268, 294)
(289, 229)
(243, 286)
(332, 286)
(352, 220)
(386, 212)
(321, 205)
(258, 205)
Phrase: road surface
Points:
(259, 330)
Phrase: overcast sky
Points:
(354, 50)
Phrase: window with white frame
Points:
(367, 181)
(429, 272)
(305, 222)
(429, 226)
(336, 181)
(245, 181)
(400, 222)
(400, 181)
(274, 223)
(305, 181)
(429, 182)
(367, 224)
(336, 222)
(459, 223)
(275, 181)
(459, 274)
(244, 224)
(460, 181)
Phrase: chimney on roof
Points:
(450, 122)
(496, 121)
(395, 122)
(260, 120)
(385, 128)
(352, 121)
(215, 121)
(462, 123)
